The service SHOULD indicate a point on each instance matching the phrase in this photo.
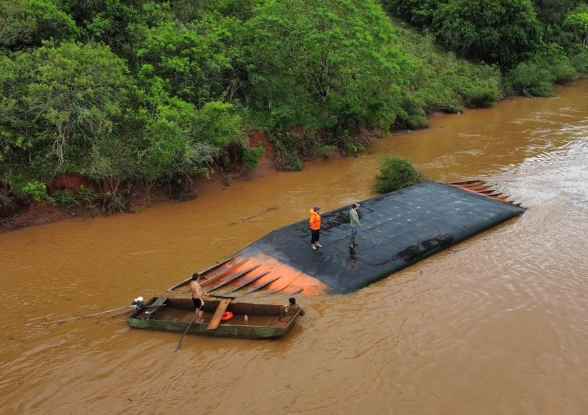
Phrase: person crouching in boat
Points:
(197, 295)
(315, 227)
(292, 307)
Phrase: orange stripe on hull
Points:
(290, 280)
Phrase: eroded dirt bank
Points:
(44, 213)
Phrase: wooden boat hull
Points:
(175, 314)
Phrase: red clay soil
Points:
(71, 182)
(34, 214)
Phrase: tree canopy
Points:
(145, 92)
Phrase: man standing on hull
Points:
(354, 221)
(197, 295)
(315, 227)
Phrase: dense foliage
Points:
(397, 173)
(537, 44)
(150, 92)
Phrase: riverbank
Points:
(43, 213)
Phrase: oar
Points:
(186, 332)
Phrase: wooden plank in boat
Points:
(152, 308)
(218, 314)
(159, 301)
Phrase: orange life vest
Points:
(315, 220)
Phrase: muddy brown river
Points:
(495, 325)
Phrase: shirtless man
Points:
(197, 295)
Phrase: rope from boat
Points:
(137, 304)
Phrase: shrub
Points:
(86, 195)
(253, 155)
(287, 161)
(480, 97)
(7, 204)
(326, 151)
(537, 77)
(554, 58)
(65, 198)
(397, 173)
(287, 149)
(71, 199)
(563, 72)
(35, 191)
(410, 111)
(580, 62)
(531, 80)
(113, 203)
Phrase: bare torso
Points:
(196, 290)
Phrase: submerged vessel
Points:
(397, 230)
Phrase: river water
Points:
(495, 325)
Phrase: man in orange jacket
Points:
(315, 227)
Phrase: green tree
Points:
(56, 103)
(553, 12)
(577, 23)
(25, 23)
(325, 64)
(178, 140)
(77, 92)
(191, 57)
(494, 31)
(417, 12)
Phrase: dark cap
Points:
(355, 205)
(195, 277)
(316, 208)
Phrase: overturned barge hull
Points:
(397, 229)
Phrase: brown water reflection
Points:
(495, 325)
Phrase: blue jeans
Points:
(353, 235)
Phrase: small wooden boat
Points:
(175, 314)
